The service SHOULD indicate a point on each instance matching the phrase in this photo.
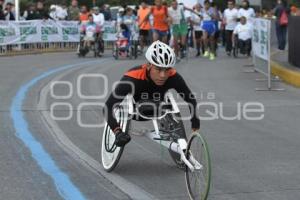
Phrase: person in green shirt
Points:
(73, 11)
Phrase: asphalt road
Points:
(251, 160)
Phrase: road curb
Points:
(291, 77)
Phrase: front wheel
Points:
(198, 180)
(110, 153)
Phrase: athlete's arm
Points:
(181, 87)
(124, 87)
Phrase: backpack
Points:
(283, 20)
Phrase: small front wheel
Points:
(198, 180)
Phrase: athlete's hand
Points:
(121, 138)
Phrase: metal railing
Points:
(36, 48)
(32, 48)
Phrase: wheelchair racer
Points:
(156, 76)
(243, 32)
(90, 32)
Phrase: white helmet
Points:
(161, 55)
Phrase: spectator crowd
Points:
(181, 23)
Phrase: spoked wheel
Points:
(174, 125)
(198, 181)
(111, 154)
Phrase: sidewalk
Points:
(282, 68)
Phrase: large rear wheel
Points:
(110, 153)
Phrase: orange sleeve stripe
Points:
(139, 74)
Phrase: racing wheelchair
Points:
(190, 155)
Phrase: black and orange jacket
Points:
(137, 82)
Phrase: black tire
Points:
(235, 52)
(235, 48)
(131, 52)
(176, 124)
(96, 49)
(101, 46)
(135, 50)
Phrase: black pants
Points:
(245, 46)
(281, 32)
(228, 36)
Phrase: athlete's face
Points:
(158, 75)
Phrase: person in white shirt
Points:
(62, 12)
(176, 17)
(197, 26)
(188, 4)
(179, 25)
(247, 12)
(53, 12)
(243, 31)
(209, 30)
(98, 17)
(230, 21)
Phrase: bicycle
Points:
(190, 155)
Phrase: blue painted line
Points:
(63, 184)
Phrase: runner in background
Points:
(230, 22)
(217, 21)
(144, 24)
(189, 4)
(160, 26)
(179, 27)
(197, 27)
(246, 11)
(209, 30)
